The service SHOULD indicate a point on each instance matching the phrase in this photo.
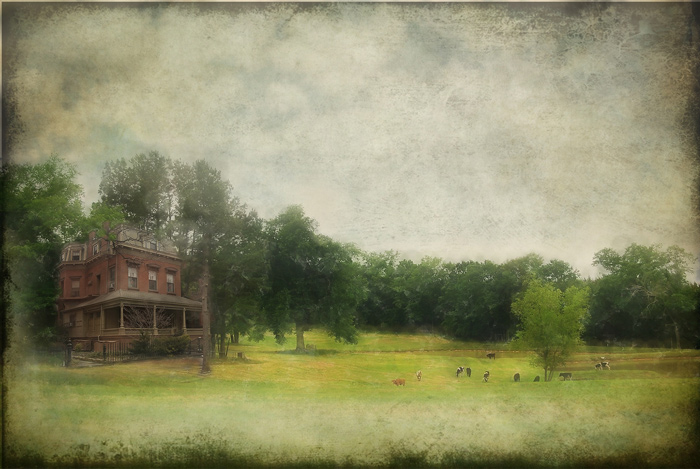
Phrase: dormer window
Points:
(95, 248)
(75, 255)
(153, 245)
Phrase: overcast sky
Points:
(465, 131)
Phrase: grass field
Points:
(338, 407)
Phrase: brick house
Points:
(113, 290)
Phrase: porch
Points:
(126, 314)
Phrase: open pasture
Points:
(338, 406)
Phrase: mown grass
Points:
(338, 408)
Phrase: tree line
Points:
(284, 277)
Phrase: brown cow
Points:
(399, 382)
(516, 377)
(537, 379)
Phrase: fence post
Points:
(69, 352)
(104, 352)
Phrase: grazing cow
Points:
(419, 375)
(606, 365)
(469, 372)
(486, 377)
(599, 366)
(537, 378)
(491, 355)
(516, 377)
(566, 376)
(399, 382)
(460, 370)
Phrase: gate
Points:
(114, 351)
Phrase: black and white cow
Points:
(460, 370)
(566, 376)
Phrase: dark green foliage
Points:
(644, 295)
(170, 345)
(42, 211)
(142, 186)
(312, 280)
(142, 345)
(146, 344)
(476, 300)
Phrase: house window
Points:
(153, 245)
(133, 277)
(170, 280)
(95, 248)
(152, 280)
(75, 255)
(75, 287)
(112, 275)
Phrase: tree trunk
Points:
(678, 335)
(300, 338)
(235, 336)
(222, 345)
(206, 323)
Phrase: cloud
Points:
(457, 130)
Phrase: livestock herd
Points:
(603, 365)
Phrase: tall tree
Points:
(312, 280)
(380, 307)
(42, 211)
(143, 187)
(203, 214)
(559, 273)
(551, 323)
(644, 289)
(239, 272)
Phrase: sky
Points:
(462, 131)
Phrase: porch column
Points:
(122, 331)
(155, 326)
(102, 319)
(184, 320)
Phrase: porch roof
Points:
(113, 298)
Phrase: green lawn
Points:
(339, 407)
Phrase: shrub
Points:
(175, 345)
(142, 345)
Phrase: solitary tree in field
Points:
(551, 323)
(312, 280)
